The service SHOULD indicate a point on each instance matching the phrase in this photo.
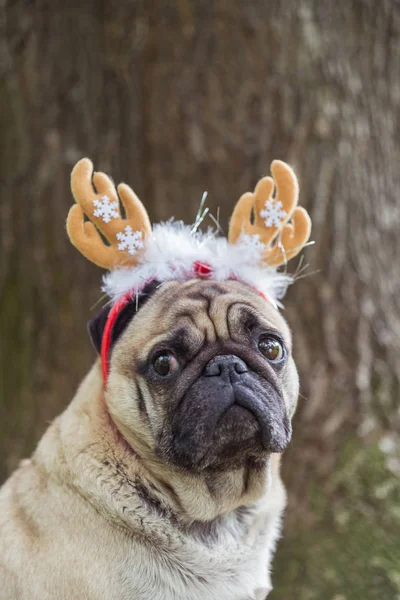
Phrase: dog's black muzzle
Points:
(229, 409)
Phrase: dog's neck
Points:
(205, 496)
(93, 451)
(199, 496)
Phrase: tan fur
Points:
(73, 521)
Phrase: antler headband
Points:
(258, 219)
(110, 226)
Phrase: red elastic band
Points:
(107, 333)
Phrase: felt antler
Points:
(98, 200)
(282, 240)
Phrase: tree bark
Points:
(180, 97)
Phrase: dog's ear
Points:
(97, 324)
(96, 327)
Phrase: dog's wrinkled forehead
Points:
(197, 312)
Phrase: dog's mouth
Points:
(224, 420)
(244, 417)
(254, 407)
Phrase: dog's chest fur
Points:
(230, 563)
(229, 560)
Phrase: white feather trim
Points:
(173, 249)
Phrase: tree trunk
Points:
(180, 97)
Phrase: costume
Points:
(265, 232)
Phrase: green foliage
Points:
(352, 550)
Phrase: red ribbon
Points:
(202, 269)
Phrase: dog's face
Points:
(202, 377)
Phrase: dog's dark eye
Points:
(165, 364)
(271, 348)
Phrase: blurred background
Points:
(176, 98)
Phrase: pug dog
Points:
(165, 486)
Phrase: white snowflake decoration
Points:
(130, 240)
(252, 242)
(273, 214)
(106, 209)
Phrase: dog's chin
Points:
(237, 440)
(226, 427)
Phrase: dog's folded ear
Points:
(96, 327)
(97, 324)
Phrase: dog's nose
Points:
(225, 364)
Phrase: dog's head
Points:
(201, 375)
